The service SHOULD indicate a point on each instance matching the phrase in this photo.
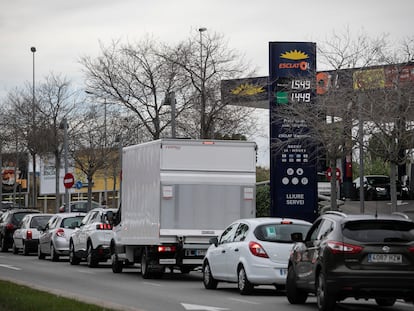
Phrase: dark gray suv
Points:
(360, 256)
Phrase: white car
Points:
(91, 240)
(54, 237)
(252, 252)
(26, 236)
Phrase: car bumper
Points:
(399, 285)
(267, 273)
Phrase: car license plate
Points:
(282, 272)
(195, 252)
(385, 258)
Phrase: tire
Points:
(208, 280)
(15, 249)
(40, 255)
(325, 300)
(90, 257)
(144, 266)
(3, 246)
(244, 285)
(117, 265)
(53, 255)
(25, 249)
(385, 302)
(294, 294)
(73, 260)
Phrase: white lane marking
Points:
(153, 284)
(10, 267)
(201, 308)
(245, 301)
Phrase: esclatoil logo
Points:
(297, 60)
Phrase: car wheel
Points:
(293, 293)
(144, 266)
(117, 265)
(245, 287)
(324, 299)
(208, 280)
(40, 255)
(3, 246)
(14, 248)
(73, 260)
(25, 249)
(53, 255)
(90, 257)
(385, 302)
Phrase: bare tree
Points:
(205, 60)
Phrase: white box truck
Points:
(176, 195)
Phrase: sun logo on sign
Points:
(294, 55)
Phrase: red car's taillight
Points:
(29, 235)
(257, 250)
(411, 249)
(60, 232)
(103, 227)
(343, 248)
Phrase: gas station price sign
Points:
(292, 81)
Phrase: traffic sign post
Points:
(329, 173)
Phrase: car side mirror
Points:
(214, 241)
(296, 237)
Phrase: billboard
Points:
(14, 172)
(293, 167)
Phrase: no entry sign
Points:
(68, 180)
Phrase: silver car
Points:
(54, 239)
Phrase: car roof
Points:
(71, 214)
(353, 217)
(268, 220)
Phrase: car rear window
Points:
(17, 217)
(72, 222)
(379, 231)
(39, 221)
(279, 232)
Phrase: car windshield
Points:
(39, 221)
(379, 231)
(72, 222)
(378, 180)
(277, 232)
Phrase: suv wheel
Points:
(208, 280)
(324, 299)
(245, 287)
(293, 293)
(385, 302)
(90, 257)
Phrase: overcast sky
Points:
(63, 31)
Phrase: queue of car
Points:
(338, 256)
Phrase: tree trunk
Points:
(332, 165)
(393, 186)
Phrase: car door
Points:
(218, 254)
(234, 251)
(46, 236)
(87, 228)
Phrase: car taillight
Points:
(60, 232)
(343, 248)
(9, 227)
(103, 227)
(166, 249)
(257, 250)
(29, 235)
(411, 249)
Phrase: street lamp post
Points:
(65, 143)
(202, 97)
(33, 50)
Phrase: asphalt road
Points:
(174, 292)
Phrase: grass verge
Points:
(14, 297)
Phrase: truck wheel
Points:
(144, 266)
(208, 280)
(73, 260)
(117, 265)
(90, 257)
